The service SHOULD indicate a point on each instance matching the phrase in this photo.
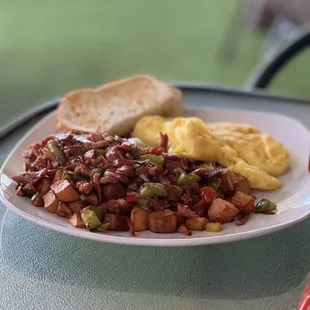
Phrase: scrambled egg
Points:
(256, 148)
(241, 148)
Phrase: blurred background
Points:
(48, 48)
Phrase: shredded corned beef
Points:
(105, 177)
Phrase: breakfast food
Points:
(175, 174)
(242, 148)
(116, 107)
(256, 148)
(108, 183)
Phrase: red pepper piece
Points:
(208, 193)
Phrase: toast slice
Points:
(115, 107)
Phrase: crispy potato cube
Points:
(139, 218)
(58, 175)
(63, 210)
(76, 220)
(117, 222)
(76, 206)
(50, 201)
(196, 223)
(180, 218)
(222, 211)
(45, 186)
(240, 183)
(184, 230)
(164, 222)
(243, 202)
(65, 191)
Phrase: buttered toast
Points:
(116, 107)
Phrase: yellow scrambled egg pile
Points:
(241, 148)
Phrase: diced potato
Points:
(45, 186)
(184, 230)
(58, 175)
(117, 222)
(214, 227)
(65, 191)
(196, 223)
(63, 210)
(222, 211)
(50, 201)
(163, 222)
(139, 218)
(180, 218)
(76, 206)
(125, 206)
(243, 202)
(240, 183)
(76, 220)
(243, 186)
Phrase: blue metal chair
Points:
(273, 65)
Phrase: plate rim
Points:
(180, 242)
(140, 241)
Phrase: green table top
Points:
(41, 269)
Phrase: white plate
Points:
(293, 199)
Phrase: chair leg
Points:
(282, 31)
(232, 36)
(272, 66)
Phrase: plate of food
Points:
(128, 163)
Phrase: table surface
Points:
(41, 269)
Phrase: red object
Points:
(243, 220)
(20, 191)
(157, 150)
(304, 302)
(38, 202)
(269, 213)
(126, 147)
(132, 198)
(208, 193)
(164, 141)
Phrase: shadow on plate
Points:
(248, 269)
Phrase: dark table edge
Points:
(259, 94)
(199, 87)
